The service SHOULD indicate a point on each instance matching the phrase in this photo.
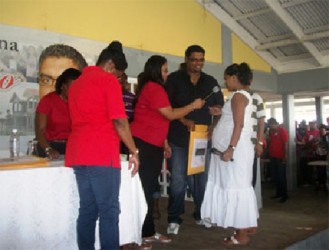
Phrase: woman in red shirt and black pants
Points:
(152, 116)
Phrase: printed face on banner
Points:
(21, 83)
(50, 70)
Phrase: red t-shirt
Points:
(148, 124)
(95, 99)
(312, 137)
(312, 134)
(58, 118)
(277, 143)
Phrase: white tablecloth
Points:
(318, 163)
(39, 208)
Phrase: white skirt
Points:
(230, 199)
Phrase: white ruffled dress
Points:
(229, 199)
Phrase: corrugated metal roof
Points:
(270, 25)
(322, 45)
(247, 6)
(280, 31)
(311, 14)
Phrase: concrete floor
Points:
(280, 225)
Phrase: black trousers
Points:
(151, 159)
(280, 176)
(254, 172)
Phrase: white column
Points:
(258, 188)
(289, 124)
(319, 109)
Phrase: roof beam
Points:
(297, 66)
(277, 44)
(276, 38)
(294, 58)
(325, 52)
(310, 37)
(290, 4)
(290, 41)
(315, 36)
(316, 29)
(252, 14)
(295, 28)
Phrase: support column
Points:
(226, 46)
(289, 124)
(258, 187)
(272, 112)
(319, 109)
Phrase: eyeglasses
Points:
(46, 80)
(196, 59)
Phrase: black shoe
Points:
(275, 197)
(283, 199)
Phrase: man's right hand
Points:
(198, 103)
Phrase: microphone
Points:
(213, 91)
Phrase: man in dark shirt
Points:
(183, 86)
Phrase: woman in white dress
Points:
(230, 200)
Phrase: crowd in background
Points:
(312, 144)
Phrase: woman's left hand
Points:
(53, 154)
(227, 155)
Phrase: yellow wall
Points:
(242, 53)
(163, 26)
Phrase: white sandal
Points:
(157, 238)
(234, 241)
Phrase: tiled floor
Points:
(280, 225)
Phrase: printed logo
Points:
(6, 82)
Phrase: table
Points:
(323, 172)
(318, 163)
(39, 208)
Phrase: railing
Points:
(164, 181)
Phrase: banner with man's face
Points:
(20, 49)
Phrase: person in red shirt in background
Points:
(52, 119)
(278, 152)
(311, 138)
(310, 141)
(153, 113)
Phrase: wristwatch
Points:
(260, 143)
(231, 146)
(47, 150)
(135, 153)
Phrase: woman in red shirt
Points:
(152, 116)
(52, 120)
